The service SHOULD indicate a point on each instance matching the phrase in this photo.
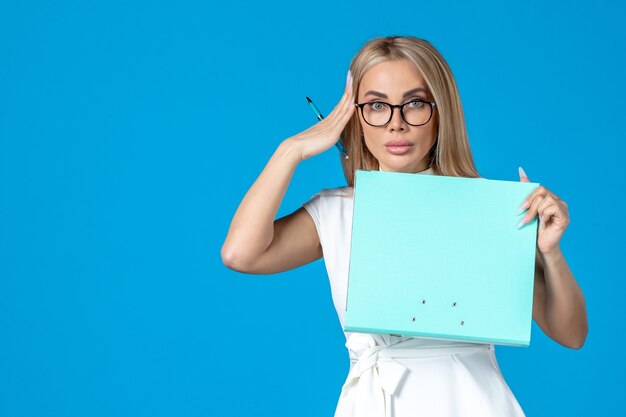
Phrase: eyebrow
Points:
(408, 93)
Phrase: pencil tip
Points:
(308, 100)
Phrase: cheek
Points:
(371, 134)
(371, 140)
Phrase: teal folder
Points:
(441, 257)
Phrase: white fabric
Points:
(392, 376)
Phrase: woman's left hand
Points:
(553, 215)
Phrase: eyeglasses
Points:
(415, 112)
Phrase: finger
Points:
(349, 82)
(343, 107)
(539, 204)
(346, 99)
(349, 108)
(547, 201)
(522, 175)
(339, 117)
(348, 92)
(347, 105)
(547, 192)
(549, 212)
(346, 114)
(532, 211)
(541, 190)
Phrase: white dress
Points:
(403, 376)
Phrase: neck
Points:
(380, 168)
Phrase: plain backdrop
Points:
(130, 131)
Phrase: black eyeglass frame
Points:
(401, 107)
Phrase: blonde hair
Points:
(451, 154)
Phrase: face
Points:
(391, 82)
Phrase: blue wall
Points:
(130, 131)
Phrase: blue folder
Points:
(441, 257)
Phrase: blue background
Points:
(130, 132)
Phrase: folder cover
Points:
(440, 257)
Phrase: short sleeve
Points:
(313, 207)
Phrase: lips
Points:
(398, 143)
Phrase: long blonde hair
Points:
(451, 154)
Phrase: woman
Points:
(408, 119)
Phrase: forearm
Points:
(252, 228)
(566, 314)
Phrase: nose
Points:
(397, 123)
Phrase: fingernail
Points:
(349, 82)
(523, 221)
(524, 206)
(521, 172)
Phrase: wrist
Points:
(290, 150)
(551, 255)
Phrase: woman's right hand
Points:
(325, 133)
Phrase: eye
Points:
(415, 104)
(377, 106)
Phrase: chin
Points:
(402, 165)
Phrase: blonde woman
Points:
(401, 112)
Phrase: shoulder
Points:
(329, 198)
(330, 193)
(326, 208)
(337, 192)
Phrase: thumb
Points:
(522, 175)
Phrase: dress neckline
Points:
(428, 170)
